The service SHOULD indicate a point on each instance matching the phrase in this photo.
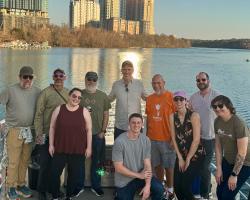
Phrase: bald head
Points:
(158, 84)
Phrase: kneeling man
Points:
(131, 157)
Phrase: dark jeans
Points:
(128, 192)
(74, 164)
(118, 132)
(98, 146)
(183, 180)
(223, 192)
(45, 165)
(205, 187)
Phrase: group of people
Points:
(182, 135)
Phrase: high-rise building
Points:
(34, 5)
(84, 13)
(143, 11)
(21, 13)
(109, 9)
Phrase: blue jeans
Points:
(128, 192)
(223, 192)
(205, 186)
(98, 146)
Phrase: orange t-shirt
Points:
(158, 110)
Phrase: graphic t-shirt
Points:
(228, 132)
(158, 110)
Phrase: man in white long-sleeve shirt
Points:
(128, 93)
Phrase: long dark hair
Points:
(226, 101)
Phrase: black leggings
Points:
(183, 180)
(74, 164)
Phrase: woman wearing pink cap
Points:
(185, 132)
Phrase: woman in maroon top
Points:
(185, 133)
(70, 138)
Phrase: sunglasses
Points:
(58, 75)
(30, 77)
(91, 79)
(201, 80)
(220, 106)
(179, 99)
(126, 87)
(76, 97)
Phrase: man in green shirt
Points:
(98, 104)
(52, 96)
(20, 101)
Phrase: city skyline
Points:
(194, 19)
(123, 16)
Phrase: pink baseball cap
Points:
(180, 94)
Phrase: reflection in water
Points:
(81, 62)
(75, 62)
(135, 58)
(13, 60)
(107, 63)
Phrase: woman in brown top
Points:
(232, 151)
(185, 133)
(70, 138)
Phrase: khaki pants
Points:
(19, 157)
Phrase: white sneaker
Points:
(197, 196)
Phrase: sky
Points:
(191, 19)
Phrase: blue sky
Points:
(200, 19)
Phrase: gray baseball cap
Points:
(26, 70)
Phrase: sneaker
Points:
(61, 194)
(210, 195)
(171, 196)
(12, 195)
(197, 196)
(77, 192)
(98, 192)
(24, 191)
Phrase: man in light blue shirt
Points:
(200, 103)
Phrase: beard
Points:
(203, 86)
(91, 88)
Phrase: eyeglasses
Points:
(75, 96)
(58, 75)
(179, 99)
(91, 79)
(220, 106)
(201, 80)
(30, 77)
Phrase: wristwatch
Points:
(233, 174)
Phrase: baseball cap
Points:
(59, 70)
(180, 94)
(91, 75)
(26, 70)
